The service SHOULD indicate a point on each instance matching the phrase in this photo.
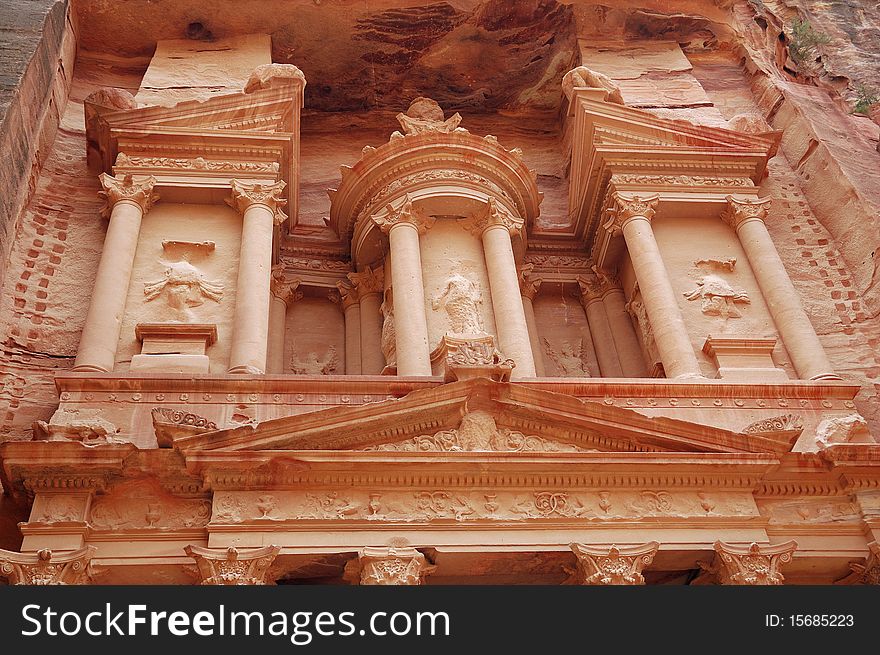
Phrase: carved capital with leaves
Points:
(529, 283)
(389, 566)
(247, 194)
(229, 566)
(126, 188)
(403, 213)
(613, 566)
(752, 564)
(368, 281)
(740, 211)
(46, 568)
(492, 214)
(284, 289)
(624, 209)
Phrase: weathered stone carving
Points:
(196, 163)
(425, 116)
(312, 365)
(867, 573)
(842, 429)
(568, 362)
(546, 504)
(461, 298)
(125, 188)
(184, 286)
(60, 507)
(265, 76)
(85, 425)
(582, 76)
(404, 213)
(784, 424)
(472, 357)
(738, 211)
(245, 194)
(492, 214)
(718, 297)
(46, 568)
(625, 208)
(142, 504)
(726, 264)
(388, 566)
(368, 280)
(170, 423)
(529, 283)
(752, 564)
(230, 566)
(389, 336)
(612, 566)
(477, 432)
(680, 180)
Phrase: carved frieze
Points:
(230, 566)
(46, 568)
(59, 507)
(612, 566)
(142, 504)
(681, 180)
(169, 423)
(783, 424)
(196, 164)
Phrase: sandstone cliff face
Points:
(497, 62)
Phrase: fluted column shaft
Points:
(800, 339)
(127, 202)
(260, 206)
(633, 218)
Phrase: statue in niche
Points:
(389, 337)
(185, 286)
(462, 299)
(718, 298)
(568, 362)
(312, 365)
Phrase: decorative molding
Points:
(388, 566)
(472, 357)
(169, 423)
(229, 566)
(46, 568)
(125, 187)
(143, 504)
(752, 564)
(739, 211)
(405, 213)
(681, 180)
(492, 215)
(783, 424)
(197, 164)
(612, 566)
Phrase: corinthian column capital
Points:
(246, 194)
(229, 566)
(626, 208)
(389, 566)
(368, 280)
(613, 566)
(492, 215)
(282, 288)
(752, 564)
(46, 568)
(739, 211)
(529, 284)
(116, 189)
(404, 213)
(348, 294)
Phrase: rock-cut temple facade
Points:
(574, 334)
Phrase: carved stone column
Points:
(867, 573)
(404, 225)
(369, 285)
(284, 293)
(807, 355)
(351, 309)
(752, 564)
(127, 202)
(632, 216)
(528, 287)
(600, 329)
(494, 225)
(388, 566)
(260, 206)
(629, 350)
(612, 566)
(46, 568)
(229, 566)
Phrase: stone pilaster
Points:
(127, 200)
(46, 568)
(529, 285)
(631, 215)
(591, 296)
(284, 294)
(626, 342)
(351, 310)
(260, 206)
(752, 564)
(747, 218)
(495, 225)
(369, 284)
(229, 566)
(403, 225)
(388, 566)
(612, 566)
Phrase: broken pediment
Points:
(482, 416)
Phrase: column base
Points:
(827, 376)
(89, 368)
(245, 370)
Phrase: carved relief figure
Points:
(389, 337)
(718, 298)
(569, 363)
(461, 299)
(185, 286)
(312, 365)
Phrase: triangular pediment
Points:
(481, 416)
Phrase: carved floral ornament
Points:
(739, 211)
(626, 208)
(245, 195)
(388, 566)
(46, 568)
(751, 565)
(612, 566)
(126, 188)
(284, 289)
(217, 566)
(493, 214)
(369, 280)
(403, 214)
